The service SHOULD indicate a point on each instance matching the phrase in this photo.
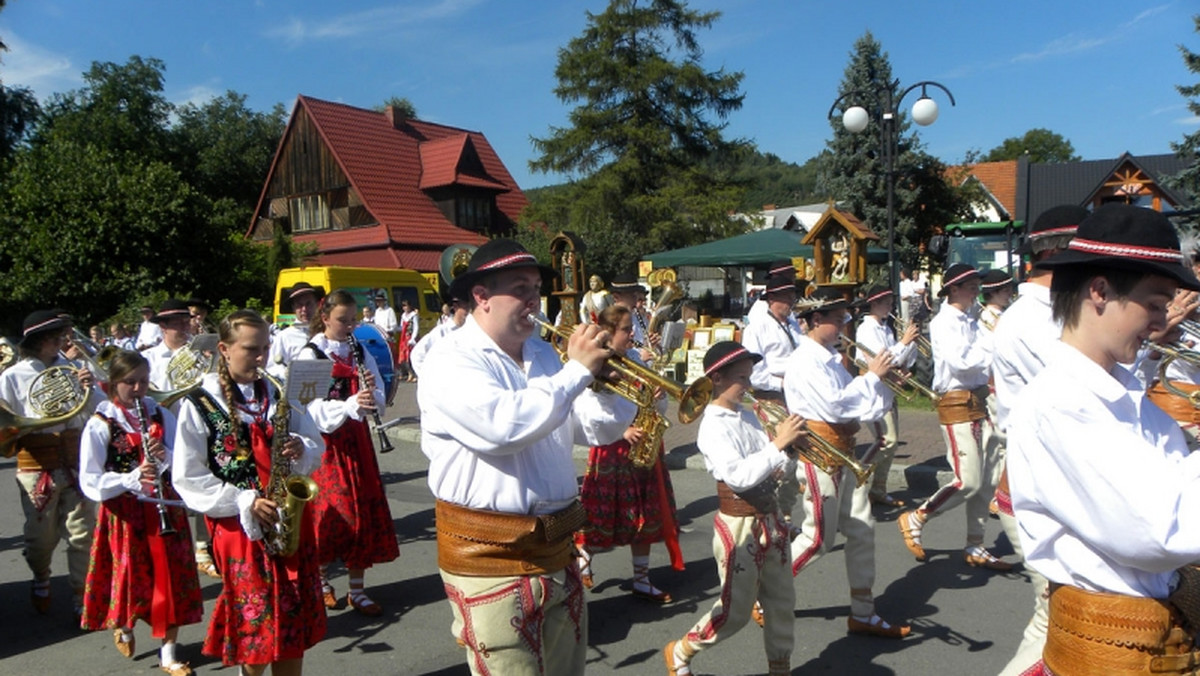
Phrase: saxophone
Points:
(288, 491)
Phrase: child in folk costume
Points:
(269, 610)
(751, 539)
(626, 504)
(1103, 487)
(137, 571)
(351, 514)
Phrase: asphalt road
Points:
(964, 620)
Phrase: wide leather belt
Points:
(481, 543)
(758, 501)
(46, 452)
(1181, 409)
(960, 406)
(1096, 633)
(838, 434)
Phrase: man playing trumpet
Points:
(819, 389)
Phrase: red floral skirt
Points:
(351, 512)
(269, 608)
(137, 574)
(625, 504)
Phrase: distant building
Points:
(373, 189)
(798, 218)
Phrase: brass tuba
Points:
(455, 260)
(822, 453)
(288, 491)
(637, 383)
(56, 395)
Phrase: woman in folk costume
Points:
(626, 504)
(409, 328)
(351, 514)
(137, 571)
(269, 610)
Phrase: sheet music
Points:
(308, 379)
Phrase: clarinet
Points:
(164, 524)
(385, 444)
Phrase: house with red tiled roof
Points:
(997, 188)
(373, 189)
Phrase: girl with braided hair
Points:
(269, 610)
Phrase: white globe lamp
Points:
(925, 111)
(855, 119)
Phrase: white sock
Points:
(126, 635)
(166, 654)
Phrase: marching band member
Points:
(199, 309)
(1023, 342)
(458, 316)
(628, 293)
(832, 402)
(497, 425)
(876, 334)
(996, 286)
(175, 321)
(302, 302)
(385, 316)
(351, 515)
(149, 333)
(47, 462)
(269, 610)
(1102, 484)
(750, 535)
(626, 505)
(962, 361)
(137, 570)
(758, 309)
(773, 336)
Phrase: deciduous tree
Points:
(1039, 145)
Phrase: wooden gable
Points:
(839, 241)
(1129, 183)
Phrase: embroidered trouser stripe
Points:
(752, 561)
(977, 458)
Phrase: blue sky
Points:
(1101, 73)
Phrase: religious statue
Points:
(594, 301)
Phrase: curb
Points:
(923, 478)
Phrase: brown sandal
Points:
(911, 533)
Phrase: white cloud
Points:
(28, 65)
(198, 95)
(371, 21)
(1065, 45)
(1190, 121)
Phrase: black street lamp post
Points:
(856, 118)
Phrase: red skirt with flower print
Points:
(137, 574)
(351, 512)
(269, 608)
(624, 503)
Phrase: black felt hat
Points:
(780, 282)
(878, 292)
(994, 279)
(198, 302)
(782, 267)
(1129, 238)
(957, 274)
(626, 281)
(1054, 228)
(495, 256)
(724, 353)
(41, 322)
(288, 304)
(172, 308)
(823, 299)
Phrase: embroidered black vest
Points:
(339, 388)
(121, 456)
(226, 461)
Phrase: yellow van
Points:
(400, 285)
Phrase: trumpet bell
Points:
(694, 399)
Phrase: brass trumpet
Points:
(818, 451)
(923, 345)
(1172, 352)
(637, 383)
(898, 380)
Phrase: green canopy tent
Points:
(753, 248)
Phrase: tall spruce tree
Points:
(852, 169)
(1188, 180)
(648, 116)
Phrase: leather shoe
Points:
(364, 604)
(588, 580)
(178, 669)
(327, 596)
(978, 557)
(757, 615)
(886, 500)
(910, 530)
(669, 658)
(207, 567)
(876, 626)
(126, 648)
(41, 604)
(654, 595)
